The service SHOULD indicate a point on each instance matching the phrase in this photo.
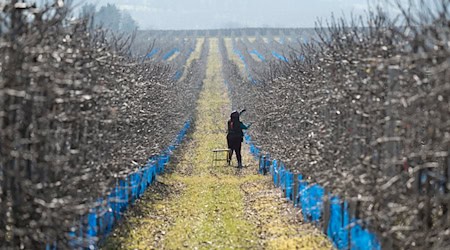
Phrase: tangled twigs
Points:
(367, 115)
(76, 114)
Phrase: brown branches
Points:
(76, 114)
(366, 115)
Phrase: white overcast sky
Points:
(208, 14)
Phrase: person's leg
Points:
(234, 145)
(238, 154)
(230, 150)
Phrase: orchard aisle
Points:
(197, 206)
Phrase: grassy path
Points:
(235, 58)
(198, 206)
(195, 55)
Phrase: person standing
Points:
(235, 136)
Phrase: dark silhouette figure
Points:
(235, 136)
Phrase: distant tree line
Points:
(109, 17)
(234, 32)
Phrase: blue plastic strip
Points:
(170, 53)
(101, 220)
(255, 52)
(342, 233)
(289, 184)
(338, 224)
(152, 53)
(278, 56)
(362, 239)
(178, 75)
(316, 193)
(241, 56)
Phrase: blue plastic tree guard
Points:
(264, 164)
(316, 193)
(178, 75)
(99, 222)
(255, 52)
(311, 200)
(289, 182)
(241, 56)
(274, 171)
(170, 53)
(278, 56)
(152, 53)
(53, 246)
(338, 225)
(253, 149)
(342, 233)
(268, 163)
(282, 176)
(362, 239)
(261, 164)
(304, 200)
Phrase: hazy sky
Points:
(207, 14)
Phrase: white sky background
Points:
(210, 14)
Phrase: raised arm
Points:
(243, 126)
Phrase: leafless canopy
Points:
(76, 115)
(366, 114)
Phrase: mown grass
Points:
(173, 56)
(197, 51)
(212, 207)
(195, 55)
(232, 56)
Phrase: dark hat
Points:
(234, 114)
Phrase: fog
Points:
(212, 14)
